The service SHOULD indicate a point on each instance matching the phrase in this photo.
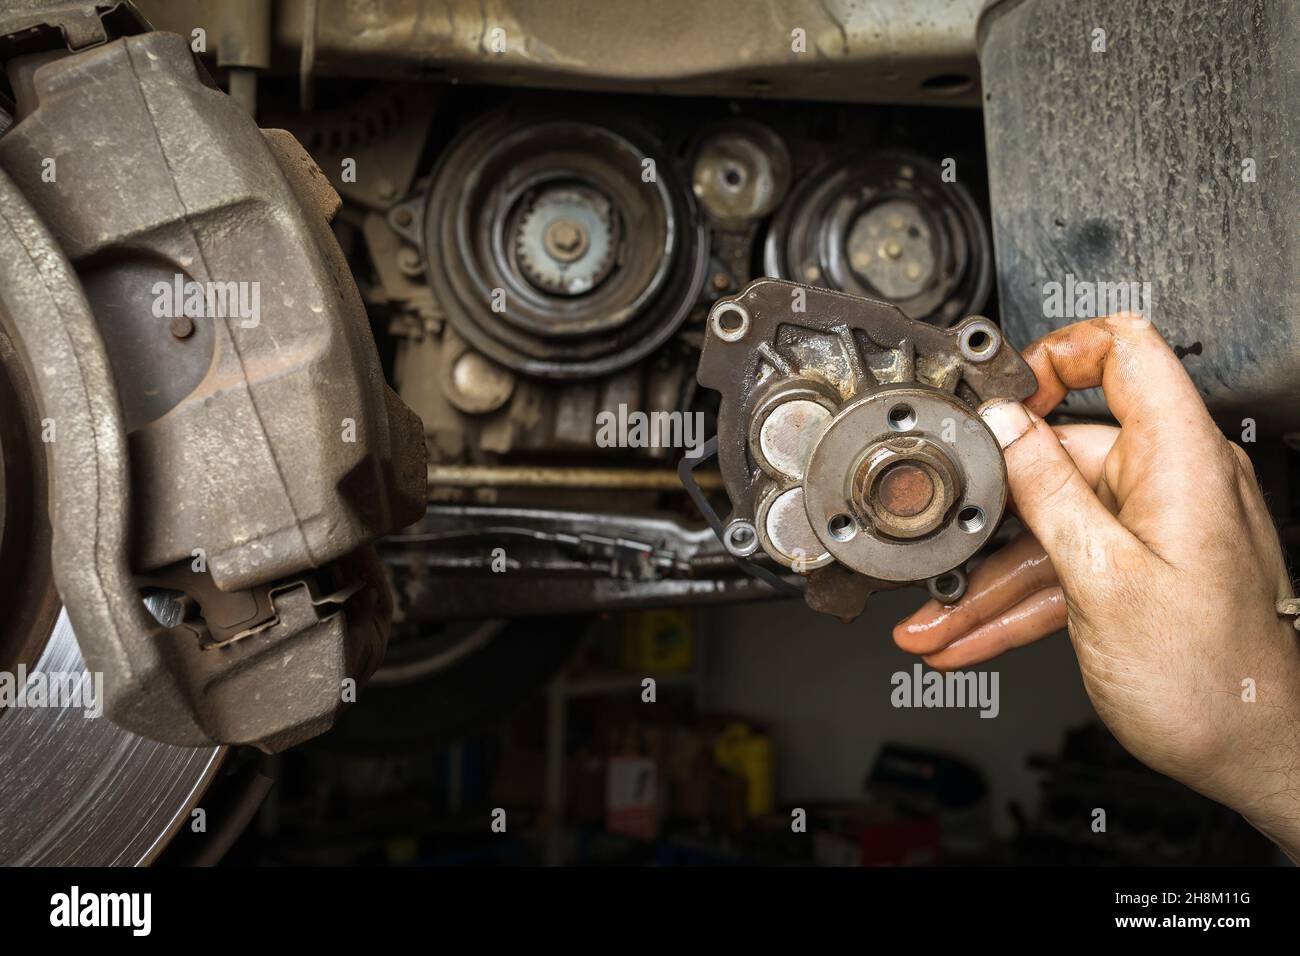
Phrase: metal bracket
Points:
(685, 471)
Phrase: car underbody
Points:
(336, 337)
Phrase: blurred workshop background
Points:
(759, 712)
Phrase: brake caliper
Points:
(223, 428)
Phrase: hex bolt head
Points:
(565, 240)
(904, 489)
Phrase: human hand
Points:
(1151, 543)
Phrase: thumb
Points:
(1053, 498)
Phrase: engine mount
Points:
(849, 439)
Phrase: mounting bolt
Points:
(565, 240)
(181, 326)
(408, 261)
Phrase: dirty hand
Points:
(1152, 544)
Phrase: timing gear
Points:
(565, 240)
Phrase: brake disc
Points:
(83, 791)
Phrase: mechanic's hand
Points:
(1153, 546)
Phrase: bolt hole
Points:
(902, 418)
(980, 341)
(842, 527)
(730, 321)
(732, 176)
(947, 588)
(741, 539)
(970, 519)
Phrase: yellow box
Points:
(748, 754)
(658, 640)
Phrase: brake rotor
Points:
(83, 791)
(76, 789)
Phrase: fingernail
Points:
(922, 619)
(1007, 419)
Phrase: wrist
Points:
(1266, 785)
(1283, 831)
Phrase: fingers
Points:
(1170, 456)
(1009, 576)
(1089, 446)
(1035, 617)
(1145, 384)
(1004, 579)
(1052, 497)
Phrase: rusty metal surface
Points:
(284, 458)
(865, 484)
(901, 51)
(559, 561)
(966, 463)
(561, 476)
